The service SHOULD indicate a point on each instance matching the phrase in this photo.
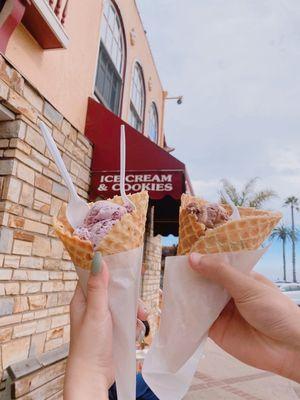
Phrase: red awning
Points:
(148, 166)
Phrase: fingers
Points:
(140, 331)
(142, 315)
(264, 280)
(97, 286)
(142, 311)
(218, 329)
(259, 304)
(240, 286)
(77, 306)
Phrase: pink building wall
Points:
(65, 77)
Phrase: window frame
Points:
(137, 65)
(153, 107)
(98, 96)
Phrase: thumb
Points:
(239, 285)
(97, 286)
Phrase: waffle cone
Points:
(190, 230)
(248, 233)
(126, 234)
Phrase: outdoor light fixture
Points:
(178, 98)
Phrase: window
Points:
(137, 101)
(1, 4)
(153, 123)
(111, 59)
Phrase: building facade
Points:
(106, 40)
(57, 57)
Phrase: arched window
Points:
(109, 78)
(153, 123)
(137, 100)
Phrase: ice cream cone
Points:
(248, 233)
(126, 234)
(190, 230)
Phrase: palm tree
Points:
(248, 197)
(283, 233)
(293, 202)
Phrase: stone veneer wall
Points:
(152, 270)
(37, 278)
(37, 378)
(43, 384)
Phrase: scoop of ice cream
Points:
(210, 214)
(100, 219)
(83, 232)
(129, 207)
(100, 229)
(103, 210)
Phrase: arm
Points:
(260, 326)
(83, 386)
(89, 371)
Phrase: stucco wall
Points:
(141, 53)
(66, 77)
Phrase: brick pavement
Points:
(220, 376)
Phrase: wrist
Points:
(87, 393)
(84, 383)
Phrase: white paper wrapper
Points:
(190, 306)
(124, 283)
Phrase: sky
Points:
(236, 62)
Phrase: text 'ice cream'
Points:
(102, 216)
(210, 214)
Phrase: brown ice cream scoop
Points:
(210, 214)
(228, 235)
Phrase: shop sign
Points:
(157, 183)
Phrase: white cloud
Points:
(206, 189)
(286, 160)
(237, 64)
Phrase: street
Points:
(221, 377)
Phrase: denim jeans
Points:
(143, 392)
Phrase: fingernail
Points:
(97, 263)
(195, 258)
(140, 331)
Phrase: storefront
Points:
(148, 167)
(99, 56)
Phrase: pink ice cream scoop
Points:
(100, 219)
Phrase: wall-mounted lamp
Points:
(179, 101)
(178, 98)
